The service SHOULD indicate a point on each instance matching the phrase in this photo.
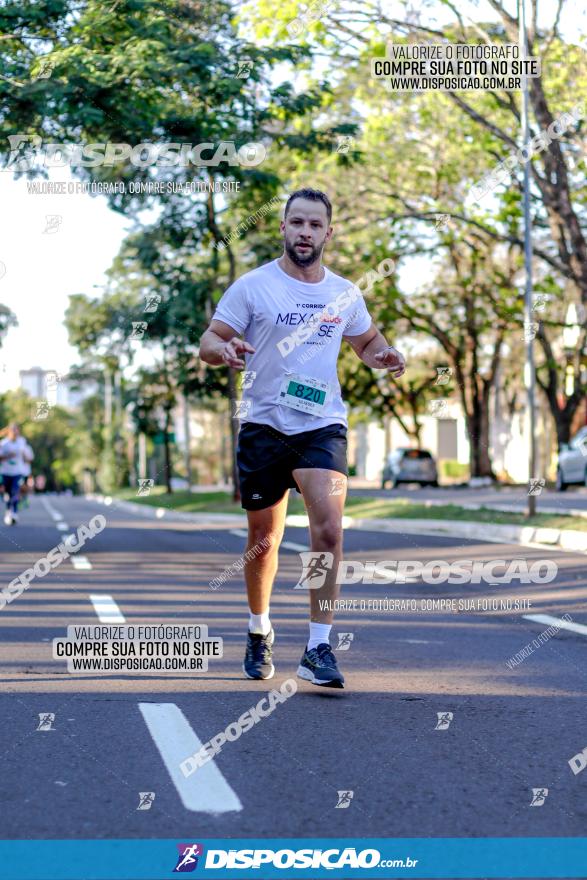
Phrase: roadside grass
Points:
(356, 506)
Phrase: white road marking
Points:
(62, 526)
(107, 609)
(418, 641)
(289, 545)
(54, 514)
(206, 790)
(81, 563)
(286, 545)
(388, 576)
(558, 622)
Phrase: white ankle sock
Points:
(259, 623)
(319, 633)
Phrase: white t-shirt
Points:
(294, 360)
(18, 451)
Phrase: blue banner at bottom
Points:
(288, 858)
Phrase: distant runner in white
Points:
(294, 423)
(15, 458)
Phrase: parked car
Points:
(572, 462)
(409, 466)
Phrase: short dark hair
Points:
(314, 195)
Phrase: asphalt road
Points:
(512, 729)
(510, 497)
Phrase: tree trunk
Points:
(167, 451)
(234, 425)
(477, 423)
(563, 419)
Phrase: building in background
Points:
(57, 389)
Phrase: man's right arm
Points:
(220, 346)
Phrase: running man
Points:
(15, 458)
(294, 432)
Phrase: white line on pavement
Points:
(286, 545)
(558, 622)
(54, 514)
(106, 609)
(289, 545)
(62, 526)
(206, 790)
(81, 563)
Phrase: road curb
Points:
(526, 536)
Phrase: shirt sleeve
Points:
(234, 308)
(359, 319)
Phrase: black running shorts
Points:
(266, 459)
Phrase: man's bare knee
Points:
(262, 544)
(327, 535)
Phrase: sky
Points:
(42, 263)
(43, 268)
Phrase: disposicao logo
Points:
(187, 859)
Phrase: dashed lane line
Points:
(106, 609)
(54, 514)
(206, 790)
(81, 563)
(558, 622)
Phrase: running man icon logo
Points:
(248, 379)
(244, 69)
(46, 720)
(530, 330)
(536, 487)
(146, 799)
(539, 795)
(188, 857)
(152, 302)
(315, 568)
(444, 374)
(242, 408)
(344, 800)
(444, 719)
(45, 71)
(295, 28)
(41, 410)
(138, 329)
(145, 487)
(443, 221)
(437, 407)
(345, 142)
(53, 222)
(338, 484)
(344, 641)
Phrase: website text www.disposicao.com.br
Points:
(329, 859)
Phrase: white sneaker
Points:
(7, 518)
(14, 518)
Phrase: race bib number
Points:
(304, 393)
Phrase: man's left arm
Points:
(372, 348)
